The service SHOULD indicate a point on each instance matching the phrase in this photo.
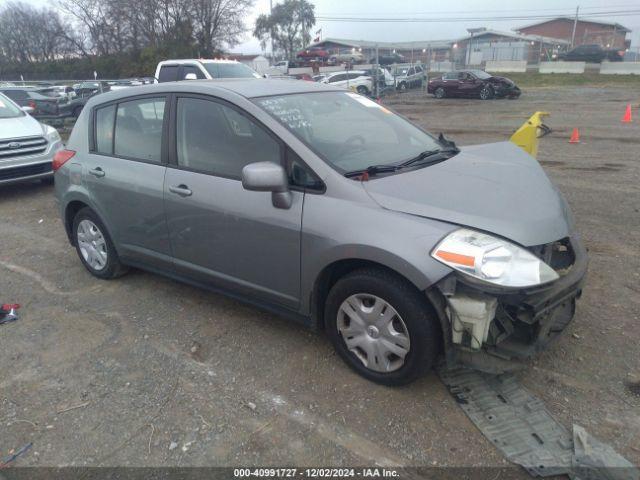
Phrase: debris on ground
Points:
(520, 426)
(14, 455)
(8, 312)
(173, 446)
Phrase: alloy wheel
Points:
(92, 245)
(374, 332)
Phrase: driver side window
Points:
(216, 139)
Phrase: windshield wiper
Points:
(433, 156)
(373, 170)
(447, 151)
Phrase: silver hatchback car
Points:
(326, 207)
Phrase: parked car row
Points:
(592, 54)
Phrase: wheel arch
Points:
(337, 269)
(76, 202)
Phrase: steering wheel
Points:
(351, 144)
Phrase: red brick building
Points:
(608, 35)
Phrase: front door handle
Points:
(97, 172)
(181, 190)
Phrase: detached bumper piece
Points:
(520, 426)
(511, 91)
(496, 330)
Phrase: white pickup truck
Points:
(195, 69)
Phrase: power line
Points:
(471, 19)
(443, 12)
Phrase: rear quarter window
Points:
(104, 129)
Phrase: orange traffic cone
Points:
(626, 118)
(575, 136)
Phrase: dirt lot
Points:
(111, 373)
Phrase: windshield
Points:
(8, 109)
(230, 70)
(348, 130)
(480, 74)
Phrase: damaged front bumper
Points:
(496, 330)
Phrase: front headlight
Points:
(51, 134)
(492, 259)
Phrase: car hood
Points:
(25, 126)
(496, 187)
(505, 80)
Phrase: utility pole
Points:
(575, 24)
(273, 53)
(376, 67)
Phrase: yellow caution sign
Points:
(526, 137)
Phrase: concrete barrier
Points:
(497, 66)
(620, 68)
(562, 67)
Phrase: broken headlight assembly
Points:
(492, 260)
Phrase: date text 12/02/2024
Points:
(374, 472)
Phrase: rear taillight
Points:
(61, 157)
(32, 104)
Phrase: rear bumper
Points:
(29, 167)
(526, 321)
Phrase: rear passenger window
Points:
(104, 129)
(138, 132)
(216, 139)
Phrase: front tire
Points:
(362, 90)
(486, 93)
(95, 247)
(440, 93)
(382, 326)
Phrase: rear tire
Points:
(402, 87)
(95, 247)
(406, 324)
(440, 93)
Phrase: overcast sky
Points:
(433, 9)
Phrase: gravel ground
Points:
(144, 371)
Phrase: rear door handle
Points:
(97, 172)
(181, 190)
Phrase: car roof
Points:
(246, 87)
(197, 60)
(331, 74)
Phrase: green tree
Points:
(287, 26)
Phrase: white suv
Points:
(357, 80)
(27, 147)
(174, 70)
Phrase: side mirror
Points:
(268, 177)
(28, 110)
(190, 76)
